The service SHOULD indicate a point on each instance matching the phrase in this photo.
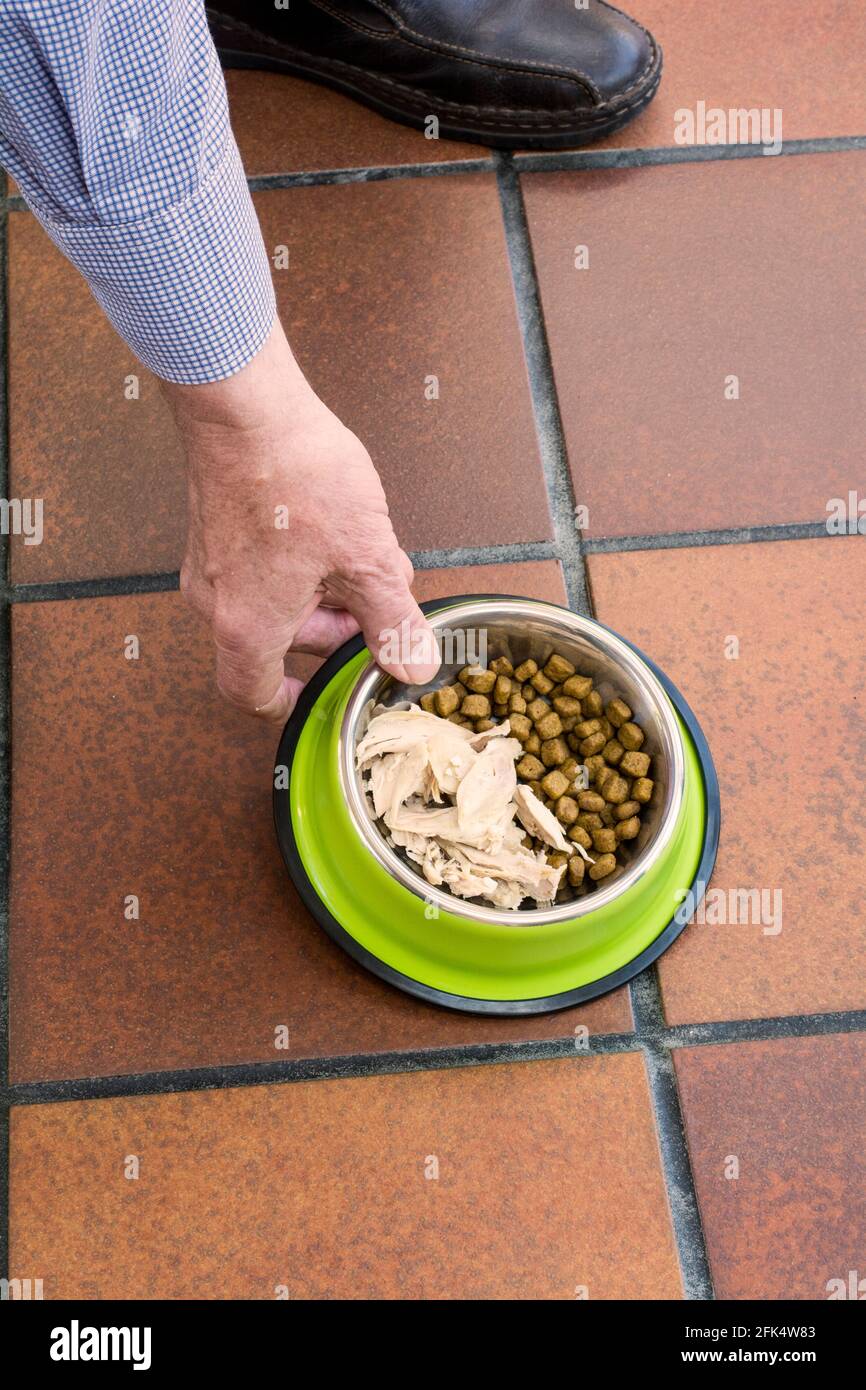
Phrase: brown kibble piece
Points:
(566, 705)
(576, 870)
(580, 836)
(502, 689)
(428, 702)
(557, 857)
(536, 788)
(604, 840)
(627, 809)
(502, 666)
(447, 701)
(533, 743)
(602, 867)
(549, 726)
(555, 784)
(566, 811)
(615, 789)
(607, 816)
(587, 727)
(482, 725)
(479, 681)
(475, 707)
(528, 691)
(541, 683)
(537, 708)
(593, 744)
(642, 789)
(500, 711)
(530, 769)
(603, 776)
(628, 829)
(606, 727)
(553, 752)
(516, 704)
(588, 820)
(558, 669)
(525, 670)
(520, 726)
(631, 736)
(457, 719)
(612, 752)
(569, 768)
(590, 801)
(617, 712)
(592, 705)
(635, 764)
(593, 765)
(577, 686)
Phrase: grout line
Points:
(515, 553)
(548, 424)
(651, 1035)
(553, 162)
(263, 183)
(734, 535)
(110, 586)
(5, 768)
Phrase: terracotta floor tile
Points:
(133, 778)
(696, 273)
(284, 125)
(785, 722)
(792, 1113)
(803, 58)
(390, 283)
(320, 1187)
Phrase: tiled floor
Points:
(707, 1140)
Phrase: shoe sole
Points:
(230, 39)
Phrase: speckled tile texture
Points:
(132, 778)
(775, 1132)
(765, 641)
(416, 1186)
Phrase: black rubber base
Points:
(497, 1007)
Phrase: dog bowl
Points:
(467, 954)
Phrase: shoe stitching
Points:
(535, 121)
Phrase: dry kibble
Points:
(479, 681)
(588, 820)
(566, 705)
(530, 769)
(536, 788)
(541, 683)
(555, 784)
(568, 722)
(617, 712)
(447, 701)
(642, 789)
(592, 705)
(580, 836)
(627, 809)
(603, 866)
(502, 666)
(569, 768)
(482, 725)
(520, 726)
(615, 789)
(501, 711)
(549, 726)
(516, 704)
(635, 764)
(628, 829)
(528, 691)
(607, 816)
(590, 801)
(525, 670)
(537, 708)
(553, 752)
(576, 870)
(577, 686)
(591, 745)
(566, 811)
(630, 736)
(457, 719)
(557, 669)
(557, 858)
(428, 702)
(573, 742)
(604, 841)
(533, 743)
(603, 776)
(612, 752)
(475, 707)
(593, 765)
(502, 689)
(606, 727)
(587, 727)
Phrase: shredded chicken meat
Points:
(449, 798)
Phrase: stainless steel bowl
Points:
(518, 629)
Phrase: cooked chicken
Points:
(536, 818)
(485, 793)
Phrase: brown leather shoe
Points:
(546, 75)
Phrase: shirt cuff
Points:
(190, 290)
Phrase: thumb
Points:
(394, 628)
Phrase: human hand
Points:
(290, 546)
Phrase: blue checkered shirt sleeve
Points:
(114, 122)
